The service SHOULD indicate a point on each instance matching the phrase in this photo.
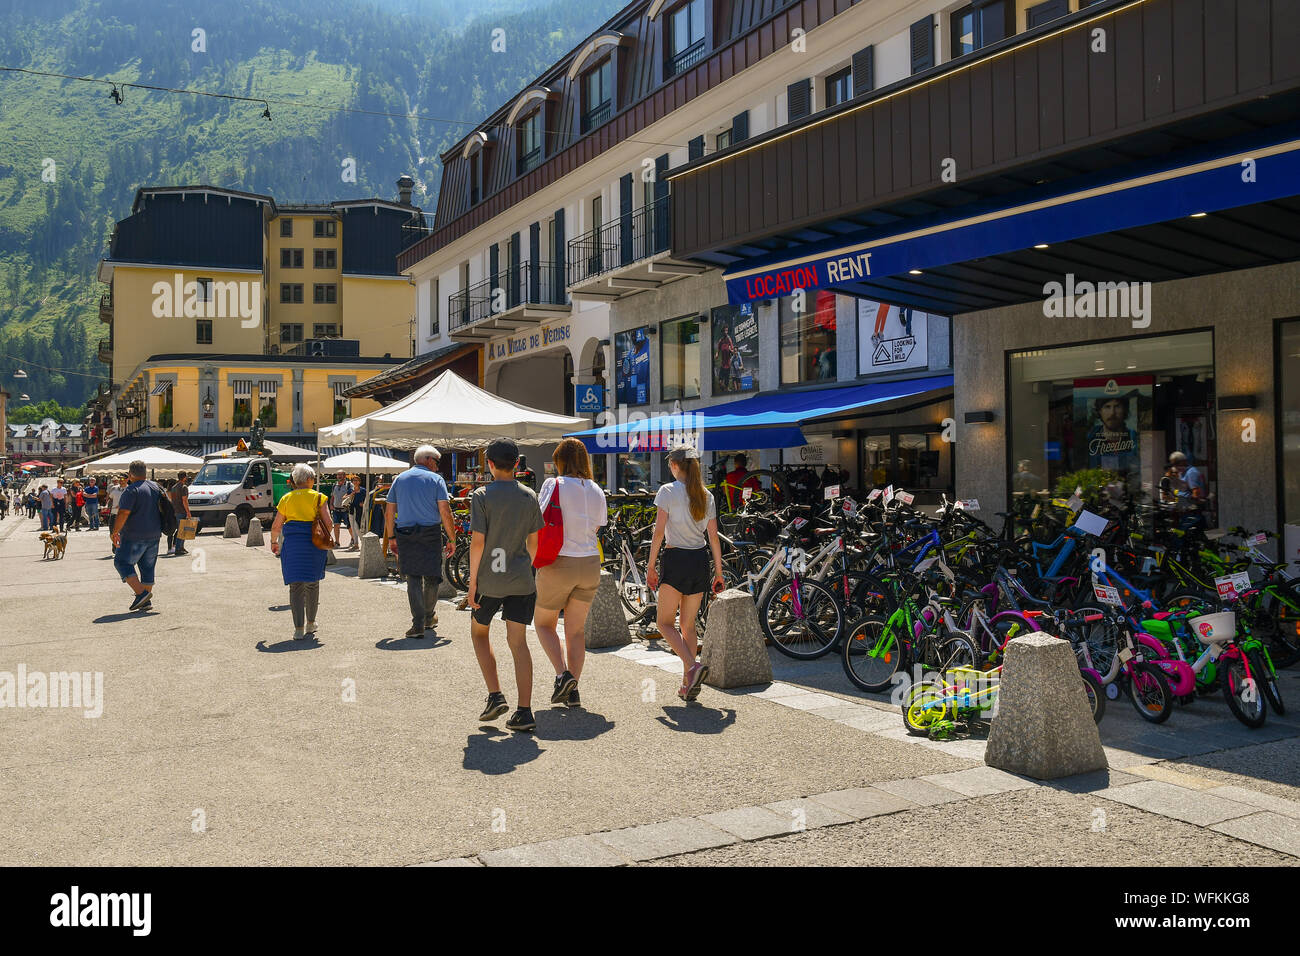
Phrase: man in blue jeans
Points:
(137, 527)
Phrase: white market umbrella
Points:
(354, 461)
(154, 458)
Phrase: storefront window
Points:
(680, 358)
(808, 339)
(634, 472)
(1289, 416)
(632, 364)
(1112, 413)
(735, 349)
(914, 460)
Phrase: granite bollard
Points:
(733, 643)
(606, 623)
(254, 539)
(232, 527)
(1044, 727)
(371, 563)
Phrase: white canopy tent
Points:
(449, 412)
(354, 461)
(279, 452)
(155, 459)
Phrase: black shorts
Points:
(689, 571)
(514, 607)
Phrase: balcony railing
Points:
(685, 60)
(627, 239)
(596, 116)
(416, 228)
(106, 308)
(106, 351)
(530, 160)
(532, 283)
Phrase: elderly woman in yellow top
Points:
(301, 562)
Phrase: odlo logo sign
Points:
(207, 299)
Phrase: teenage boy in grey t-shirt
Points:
(504, 521)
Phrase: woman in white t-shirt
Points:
(569, 583)
(688, 519)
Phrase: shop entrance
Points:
(910, 458)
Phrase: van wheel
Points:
(243, 514)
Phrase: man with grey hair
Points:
(137, 527)
(415, 516)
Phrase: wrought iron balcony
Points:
(596, 116)
(529, 161)
(106, 351)
(106, 308)
(416, 228)
(685, 60)
(539, 283)
(637, 235)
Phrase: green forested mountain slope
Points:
(430, 57)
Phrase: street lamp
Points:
(208, 403)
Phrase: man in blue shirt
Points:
(137, 526)
(415, 515)
(92, 504)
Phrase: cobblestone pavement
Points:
(222, 741)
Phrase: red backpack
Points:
(550, 539)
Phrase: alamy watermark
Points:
(70, 689)
(209, 299)
(1099, 300)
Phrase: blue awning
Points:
(772, 420)
(1252, 168)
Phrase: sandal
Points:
(697, 673)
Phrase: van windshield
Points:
(220, 473)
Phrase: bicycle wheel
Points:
(872, 653)
(1102, 638)
(1245, 697)
(1148, 690)
(925, 705)
(1266, 679)
(1277, 623)
(956, 650)
(866, 594)
(1096, 696)
(804, 621)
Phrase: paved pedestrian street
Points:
(223, 741)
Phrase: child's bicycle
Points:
(933, 707)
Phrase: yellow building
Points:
(224, 306)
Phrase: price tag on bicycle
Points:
(1231, 586)
(969, 504)
(850, 507)
(1075, 503)
(1257, 539)
(832, 492)
(905, 497)
(1107, 594)
(875, 493)
(798, 523)
(746, 494)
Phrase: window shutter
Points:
(798, 100)
(1041, 13)
(864, 71)
(923, 44)
(513, 291)
(695, 148)
(494, 264)
(558, 289)
(534, 259)
(661, 206)
(625, 219)
(740, 127)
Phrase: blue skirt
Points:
(300, 560)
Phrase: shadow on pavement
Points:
(283, 647)
(124, 616)
(411, 643)
(571, 723)
(495, 751)
(278, 607)
(697, 719)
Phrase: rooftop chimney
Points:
(404, 187)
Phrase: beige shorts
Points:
(565, 579)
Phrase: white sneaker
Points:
(298, 635)
(310, 630)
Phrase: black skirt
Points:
(689, 571)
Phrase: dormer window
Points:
(476, 178)
(597, 95)
(528, 135)
(476, 157)
(684, 35)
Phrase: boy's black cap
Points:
(502, 452)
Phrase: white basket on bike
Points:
(1214, 628)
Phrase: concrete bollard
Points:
(446, 590)
(1043, 728)
(606, 623)
(254, 534)
(232, 527)
(371, 563)
(734, 649)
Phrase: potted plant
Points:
(1091, 483)
(267, 415)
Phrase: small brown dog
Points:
(56, 542)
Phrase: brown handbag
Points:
(320, 535)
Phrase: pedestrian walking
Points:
(302, 564)
(687, 520)
(47, 508)
(76, 505)
(569, 583)
(415, 515)
(356, 511)
(338, 510)
(59, 496)
(137, 528)
(92, 504)
(178, 493)
(504, 521)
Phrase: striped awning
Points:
(340, 388)
(160, 388)
(267, 389)
(242, 387)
